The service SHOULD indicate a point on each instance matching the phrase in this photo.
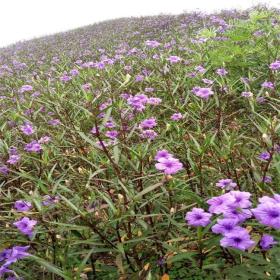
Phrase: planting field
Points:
(143, 148)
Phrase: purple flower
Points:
(65, 78)
(27, 129)
(154, 101)
(169, 165)
(225, 226)
(148, 134)
(226, 184)
(54, 122)
(21, 205)
(220, 204)
(268, 85)
(247, 94)
(113, 134)
(221, 72)
(275, 65)
(241, 199)
(207, 82)
(15, 254)
(48, 200)
(267, 179)
(25, 88)
(176, 117)
(148, 123)
(268, 214)
(86, 87)
(267, 241)
(203, 93)
(198, 217)
(152, 43)
(264, 156)
(174, 59)
(261, 99)
(237, 213)
(238, 239)
(200, 69)
(44, 140)
(139, 78)
(4, 170)
(163, 154)
(13, 159)
(33, 146)
(74, 72)
(25, 226)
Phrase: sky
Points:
(27, 19)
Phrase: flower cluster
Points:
(233, 209)
(167, 163)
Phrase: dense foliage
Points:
(143, 148)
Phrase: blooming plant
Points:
(143, 148)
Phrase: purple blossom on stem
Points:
(267, 241)
(226, 184)
(198, 217)
(169, 165)
(176, 117)
(237, 239)
(27, 129)
(25, 226)
(33, 146)
(203, 93)
(21, 205)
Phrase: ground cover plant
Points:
(143, 148)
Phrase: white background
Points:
(26, 19)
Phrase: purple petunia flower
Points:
(203, 93)
(154, 101)
(237, 213)
(275, 65)
(163, 154)
(225, 226)
(113, 134)
(49, 200)
(220, 204)
(176, 117)
(21, 205)
(264, 156)
(198, 217)
(207, 82)
(33, 146)
(27, 129)
(44, 140)
(25, 226)
(268, 85)
(4, 170)
(148, 123)
(13, 159)
(247, 94)
(226, 184)
(267, 179)
(267, 241)
(152, 43)
(241, 199)
(238, 239)
(25, 88)
(169, 165)
(16, 253)
(174, 59)
(54, 122)
(221, 72)
(268, 214)
(148, 134)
